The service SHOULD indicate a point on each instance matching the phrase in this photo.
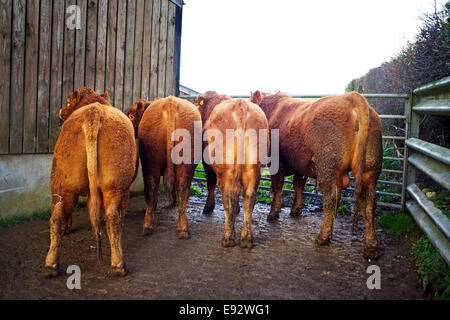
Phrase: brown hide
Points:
(156, 122)
(95, 156)
(257, 96)
(221, 112)
(324, 139)
(80, 98)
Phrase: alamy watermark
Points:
(73, 19)
(74, 281)
(374, 281)
(241, 147)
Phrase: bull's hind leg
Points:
(368, 212)
(114, 202)
(230, 198)
(250, 180)
(331, 194)
(211, 180)
(151, 187)
(299, 185)
(94, 204)
(69, 204)
(62, 207)
(184, 175)
(277, 188)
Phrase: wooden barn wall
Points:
(128, 48)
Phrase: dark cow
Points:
(324, 140)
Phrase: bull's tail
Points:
(359, 157)
(169, 173)
(91, 128)
(240, 114)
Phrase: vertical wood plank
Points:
(111, 50)
(17, 77)
(155, 49)
(31, 62)
(129, 55)
(91, 41)
(56, 76)
(176, 52)
(162, 49)
(44, 76)
(101, 46)
(120, 54)
(5, 65)
(170, 51)
(69, 51)
(146, 50)
(138, 45)
(80, 47)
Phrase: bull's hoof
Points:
(246, 243)
(296, 212)
(228, 242)
(146, 231)
(273, 216)
(51, 272)
(183, 234)
(66, 230)
(119, 271)
(371, 253)
(322, 241)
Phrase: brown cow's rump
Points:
(220, 113)
(95, 156)
(156, 121)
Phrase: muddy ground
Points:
(284, 263)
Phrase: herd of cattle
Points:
(96, 155)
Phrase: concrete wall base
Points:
(25, 184)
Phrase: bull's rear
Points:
(237, 165)
(325, 140)
(158, 123)
(95, 156)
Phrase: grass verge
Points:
(433, 271)
(22, 218)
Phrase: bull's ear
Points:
(105, 94)
(142, 105)
(77, 95)
(199, 101)
(256, 97)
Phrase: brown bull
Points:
(324, 140)
(95, 156)
(156, 122)
(220, 113)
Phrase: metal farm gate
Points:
(390, 190)
(48, 48)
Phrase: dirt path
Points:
(284, 264)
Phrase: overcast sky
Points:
(295, 46)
